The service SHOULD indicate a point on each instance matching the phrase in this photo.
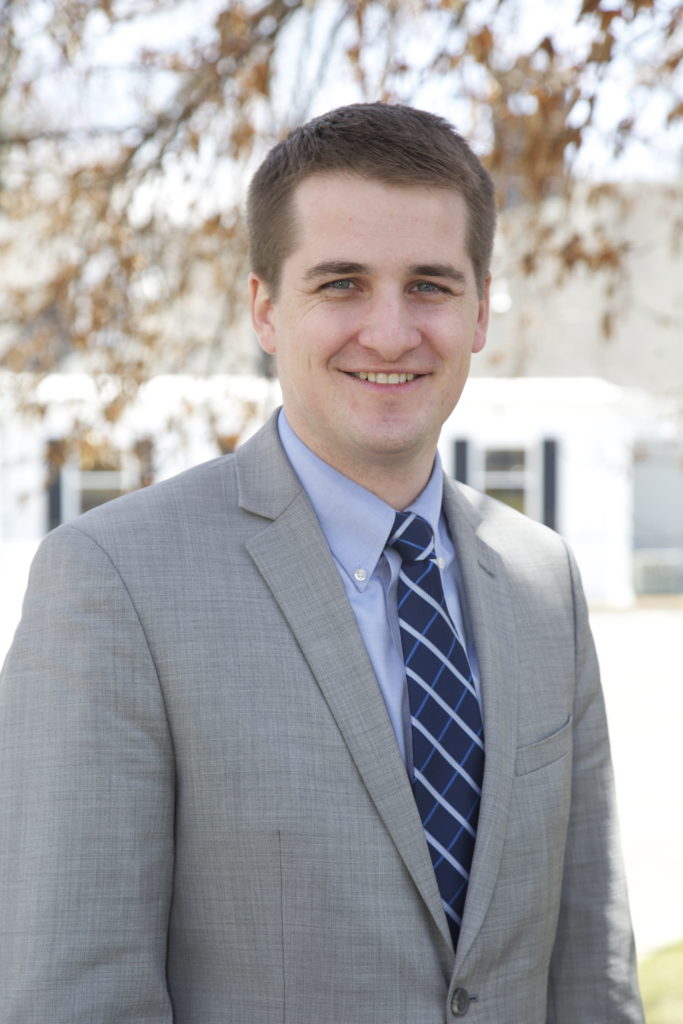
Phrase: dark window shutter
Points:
(550, 483)
(460, 458)
(54, 484)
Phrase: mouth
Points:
(385, 378)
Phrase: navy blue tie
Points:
(447, 729)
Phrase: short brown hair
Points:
(390, 143)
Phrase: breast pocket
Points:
(539, 755)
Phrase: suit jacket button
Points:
(460, 1002)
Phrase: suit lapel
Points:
(488, 608)
(290, 552)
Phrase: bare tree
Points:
(128, 128)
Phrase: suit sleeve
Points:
(86, 801)
(593, 969)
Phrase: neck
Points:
(398, 485)
(397, 477)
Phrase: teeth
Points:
(385, 378)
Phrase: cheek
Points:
(296, 364)
(330, 324)
(459, 343)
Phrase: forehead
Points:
(333, 210)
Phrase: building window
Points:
(77, 484)
(505, 476)
(99, 484)
(524, 477)
(657, 519)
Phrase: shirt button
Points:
(360, 575)
(460, 1002)
(441, 562)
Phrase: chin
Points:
(396, 445)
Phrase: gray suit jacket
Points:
(204, 815)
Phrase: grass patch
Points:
(661, 983)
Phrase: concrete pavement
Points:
(641, 656)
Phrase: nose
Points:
(389, 328)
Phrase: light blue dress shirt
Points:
(356, 525)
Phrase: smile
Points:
(385, 378)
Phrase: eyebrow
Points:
(446, 270)
(335, 268)
(345, 268)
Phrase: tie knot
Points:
(412, 537)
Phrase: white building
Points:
(600, 463)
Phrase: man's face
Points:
(375, 321)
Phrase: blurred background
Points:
(128, 132)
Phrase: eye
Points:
(344, 284)
(428, 287)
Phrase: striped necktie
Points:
(447, 729)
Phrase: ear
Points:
(262, 309)
(482, 325)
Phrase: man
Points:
(222, 785)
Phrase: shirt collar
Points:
(355, 522)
